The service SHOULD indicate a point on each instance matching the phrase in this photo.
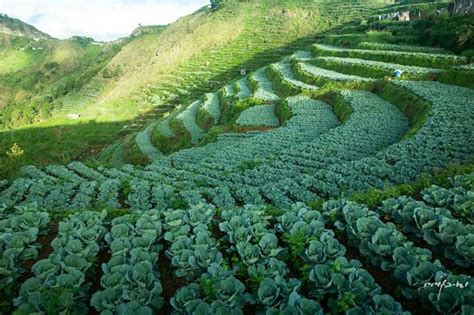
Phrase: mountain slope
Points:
(173, 133)
(154, 72)
(15, 27)
(36, 74)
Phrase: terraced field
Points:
(309, 186)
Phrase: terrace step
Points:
(403, 48)
(212, 106)
(372, 69)
(260, 115)
(143, 141)
(310, 73)
(285, 80)
(188, 117)
(262, 87)
(243, 90)
(402, 57)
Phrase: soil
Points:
(169, 282)
(97, 273)
(45, 250)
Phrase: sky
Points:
(102, 20)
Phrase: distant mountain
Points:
(12, 26)
(148, 29)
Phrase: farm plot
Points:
(243, 90)
(262, 87)
(261, 115)
(212, 106)
(372, 68)
(286, 79)
(188, 117)
(310, 71)
(403, 57)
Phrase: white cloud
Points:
(100, 19)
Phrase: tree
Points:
(215, 4)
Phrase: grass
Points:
(280, 86)
(283, 112)
(181, 140)
(11, 61)
(41, 73)
(58, 142)
(204, 120)
(457, 77)
(134, 155)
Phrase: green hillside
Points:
(170, 68)
(15, 27)
(365, 39)
(305, 157)
(36, 75)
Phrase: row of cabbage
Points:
(243, 90)
(198, 153)
(373, 125)
(59, 283)
(301, 55)
(229, 90)
(262, 86)
(328, 61)
(212, 288)
(419, 275)
(188, 117)
(436, 226)
(247, 254)
(250, 238)
(458, 197)
(164, 128)
(192, 247)
(310, 118)
(19, 231)
(347, 286)
(403, 57)
(130, 282)
(212, 106)
(143, 141)
(259, 115)
(406, 48)
(285, 72)
(311, 71)
(442, 140)
(67, 191)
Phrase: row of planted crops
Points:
(312, 157)
(246, 259)
(233, 258)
